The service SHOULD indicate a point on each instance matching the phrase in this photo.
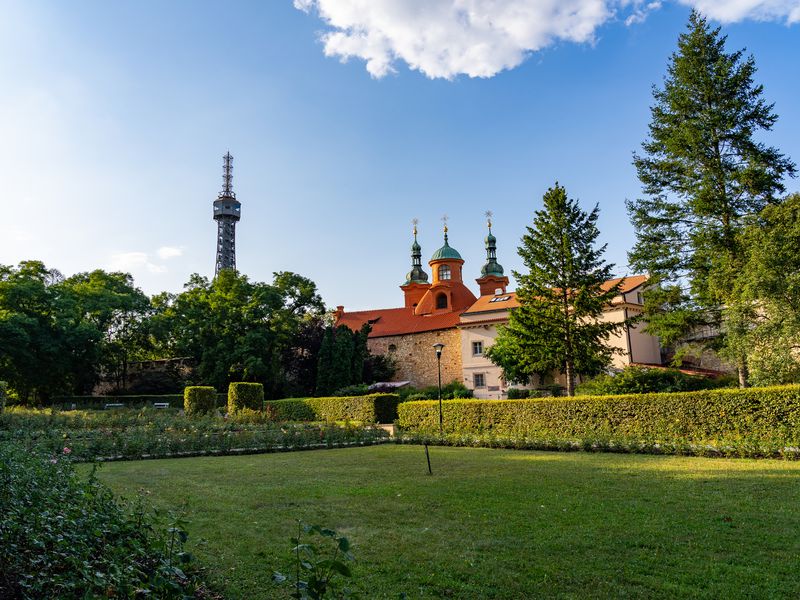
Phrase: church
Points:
(444, 310)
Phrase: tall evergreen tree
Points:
(703, 173)
(557, 325)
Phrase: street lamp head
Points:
(438, 346)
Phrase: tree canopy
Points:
(562, 296)
(703, 173)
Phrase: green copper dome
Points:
(492, 267)
(416, 274)
(446, 252)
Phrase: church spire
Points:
(492, 278)
(492, 267)
(416, 275)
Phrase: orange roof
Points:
(494, 302)
(397, 321)
(400, 321)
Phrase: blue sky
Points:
(114, 118)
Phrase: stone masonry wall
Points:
(416, 359)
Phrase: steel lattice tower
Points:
(227, 211)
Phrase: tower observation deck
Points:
(227, 211)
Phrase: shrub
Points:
(199, 400)
(375, 408)
(64, 536)
(644, 380)
(361, 389)
(517, 393)
(245, 395)
(454, 389)
(3, 391)
(763, 418)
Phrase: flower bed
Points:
(154, 434)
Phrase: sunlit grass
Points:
(494, 523)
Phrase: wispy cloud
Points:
(134, 262)
(480, 38)
(167, 252)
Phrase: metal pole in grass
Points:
(439, 346)
(428, 456)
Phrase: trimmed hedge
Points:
(375, 408)
(199, 399)
(760, 417)
(245, 395)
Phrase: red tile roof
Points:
(397, 321)
(400, 321)
(489, 302)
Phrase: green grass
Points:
(494, 523)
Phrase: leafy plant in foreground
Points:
(318, 568)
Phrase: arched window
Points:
(392, 348)
(444, 272)
(441, 301)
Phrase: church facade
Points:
(444, 310)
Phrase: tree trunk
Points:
(744, 372)
(570, 375)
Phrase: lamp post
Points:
(439, 347)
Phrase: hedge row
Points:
(763, 417)
(130, 401)
(245, 395)
(375, 408)
(199, 399)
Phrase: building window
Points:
(444, 272)
(639, 298)
(477, 348)
(441, 301)
(478, 380)
(392, 348)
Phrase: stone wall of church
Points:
(416, 359)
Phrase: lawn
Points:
(493, 523)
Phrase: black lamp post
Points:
(439, 347)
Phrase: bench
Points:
(160, 404)
(113, 405)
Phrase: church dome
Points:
(446, 252)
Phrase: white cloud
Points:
(640, 13)
(729, 11)
(480, 38)
(167, 252)
(134, 262)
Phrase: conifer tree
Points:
(325, 364)
(557, 325)
(703, 174)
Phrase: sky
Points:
(346, 119)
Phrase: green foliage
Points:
(342, 357)
(3, 395)
(557, 326)
(703, 173)
(238, 330)
(643, 380)
(358, 389)
(770, 280)
(245, 395)
(375, 408)
(518, 394)
(56, 334)
(454, 389)
(317, 570)
(199, 400)
(64, 536)
(130, 435)
(753, 422)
